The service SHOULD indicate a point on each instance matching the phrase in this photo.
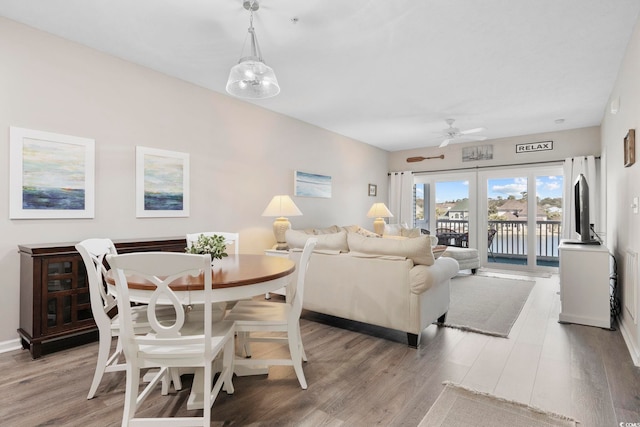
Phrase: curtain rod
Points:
(490, 166)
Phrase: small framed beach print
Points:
(50, 175)
(373, 190)
(162, 183)
(312, 185)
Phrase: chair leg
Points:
(175, 377)
(207, 403)
(296, 356)
(304, 355)
(131, 393)
(104, 346)
(228, 357)
(244, 343)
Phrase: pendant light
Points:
(251, 78)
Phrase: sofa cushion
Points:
(335, 241)
(417, 249)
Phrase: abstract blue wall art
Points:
(162, 183)
(52, 175)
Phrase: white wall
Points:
(623, 183)
(241, 155)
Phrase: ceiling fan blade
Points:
(446, 142)
(473, 137)
(475, 130)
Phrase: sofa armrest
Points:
(424, 277)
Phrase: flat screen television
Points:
(581, 202)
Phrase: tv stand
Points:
(580, 242)
(584, 284)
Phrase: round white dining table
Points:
(233, 278)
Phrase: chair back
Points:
(229, 238)
(161, 269)
(93, 252)
(298, 291)
(491, 234)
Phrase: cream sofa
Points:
(393, 283)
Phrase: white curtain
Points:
(401, 198)
(572, 168)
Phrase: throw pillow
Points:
(438, 250)
(417, 249)
(362, 231)
(327, 230)
(335, 241)
(410, 232)
(401, 230)
(366, 233)
(392, 230)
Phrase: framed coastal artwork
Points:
(50, 175)
(483, 152)
(162, 183)
(312, 185)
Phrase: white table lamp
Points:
(379, 211)
(281, 207)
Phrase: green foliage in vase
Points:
(214, 245)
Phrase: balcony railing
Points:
(510, 239)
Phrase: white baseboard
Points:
(10, 345)
(627, 336)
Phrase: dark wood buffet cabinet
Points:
(55, 309)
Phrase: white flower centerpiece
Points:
(214, 245)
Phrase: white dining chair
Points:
(229, 238)
(191, 340)
(266, 316)
(103, 308)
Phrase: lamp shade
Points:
(379, 210)
(281, 206)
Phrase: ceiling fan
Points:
(452, 133)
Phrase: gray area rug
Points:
(486, 305)
(457, 407)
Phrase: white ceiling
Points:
(384, 72)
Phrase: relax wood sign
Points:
(534, 146)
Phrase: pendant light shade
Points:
(251, 78)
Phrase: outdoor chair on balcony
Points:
(492, 232)
(449, 237)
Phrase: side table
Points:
(282, 254)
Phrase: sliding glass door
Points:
(522, 217)
(446, 206)
(511, 215)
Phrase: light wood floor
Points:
(362, 376)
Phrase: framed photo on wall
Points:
(162, 183)
(312, 185)
(630, 148)
(50, 175)
(373, 190)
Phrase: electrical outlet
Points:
(634, 205)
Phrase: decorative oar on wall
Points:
(419, 159)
